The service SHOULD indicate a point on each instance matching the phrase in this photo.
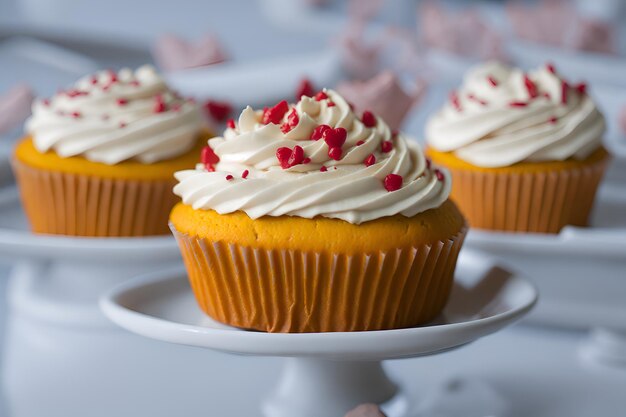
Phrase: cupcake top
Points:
(111, 117)
(501, 116)
(314, 158)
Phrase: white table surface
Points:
(537, 369)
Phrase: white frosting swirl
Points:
(111, 117)
(347, 190)
(502, 116)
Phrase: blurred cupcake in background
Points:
(524, 149)
(309, 217)
(99, 157)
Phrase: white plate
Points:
(17, 241)
(485, 298)
(581, 272)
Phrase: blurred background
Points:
(411, 53)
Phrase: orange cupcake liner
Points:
(540, 202)
(80, 205)
(293, 291)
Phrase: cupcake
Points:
(309, 218)
(524, 149)
(99, 158)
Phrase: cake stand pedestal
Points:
(327, 374)
(580, 273)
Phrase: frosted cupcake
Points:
(524, 149)
(99, 158)
(309, 218)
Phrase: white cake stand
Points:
(581, 274)
(328, 373)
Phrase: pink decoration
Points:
(173, 53)
(366, 410)
(359, 58)
(556, 22)
(593, 35)
(463, 33)
(15, 107)
(383, 96)
(364, 10)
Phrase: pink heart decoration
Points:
(383, 95)
(558, 23)
(173, 53)
(443, 29)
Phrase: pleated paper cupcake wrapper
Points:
(540, 202)
(80, 205)
(295, 291)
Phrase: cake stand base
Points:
(321, 387)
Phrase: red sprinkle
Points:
(359, 143)
(244, 174)
(122, 125)
(122, 102)
(550, 68)
(45, 102)
(209, 158)
(386, 146)
(581, 88)
(547, 95)
(335, 153)
(492, 81)
(176, 107)
(135, 83)
(518, 104)
(476, 99)
(230, 124)
(318, 132)
(290, 157)
(321, 96)
(306, 161)
(94, 80)
(394, 133)
(218, 110)
(564, 88)
(113, 76)
(330, 103)
(229, 177)
(393, 182)
(159, 105)
(454, 99)
(305, 88)
(368, 119)
(323, 169)
(335, 138)
(370, 160)
(552, 120)
(76, 114)
(439, 175)
(275, 114)
(76, 93)
(292, 121)
(530, 87)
